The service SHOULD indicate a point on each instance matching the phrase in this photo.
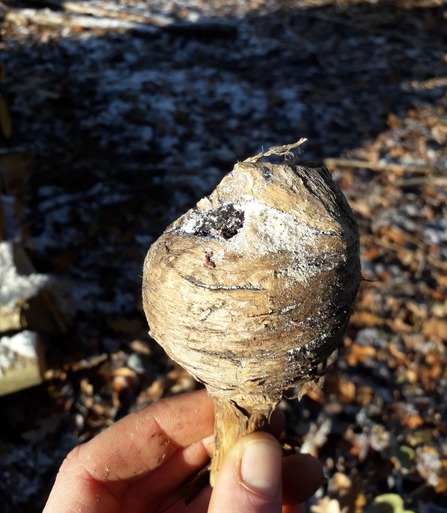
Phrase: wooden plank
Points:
(22, 362)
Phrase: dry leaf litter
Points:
(115, 121)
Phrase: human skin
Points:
(140, 463)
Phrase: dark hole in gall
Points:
(225, 221)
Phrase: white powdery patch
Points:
(192, 222)
(267, 230)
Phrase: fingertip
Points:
(302, 476)
(261, 465)
(250, 477)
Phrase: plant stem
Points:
(232, 423)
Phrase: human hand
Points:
(140, 463)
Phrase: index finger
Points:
(129, 450)
(94, 476)
(143, 440)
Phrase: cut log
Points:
(22, 362)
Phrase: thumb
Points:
(250, 477)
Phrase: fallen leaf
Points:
(371, 253)
(363, 318)
(348, 492)
(140, 347)
(390, 503)
(359, 354)
(411, 376)
(184, 384)
(442, 280)
(86, 387)
(153, 393)
(364, 395)
(316, 395)
(401, 357)
(435, 328)
(316, 437)
(397, 325)
(422, 436)
(327, 505)
(124, 380)
(360, 502)
(347, 391)
(341, 483)
(389, 233)
(442, 485)
(412, 421)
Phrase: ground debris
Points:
(125, 133)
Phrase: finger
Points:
(173, 504)
(302, 475)
(153, 489)
(99, 471)
(145, 439)
(75, 490)
(201, 502)
(276, 423)
(250, 477)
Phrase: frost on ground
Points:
(129, 132)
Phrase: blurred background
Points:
(118, 115)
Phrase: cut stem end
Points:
(232, 423)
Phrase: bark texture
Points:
(252, 289)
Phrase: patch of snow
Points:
(14, 286)
(23, 343)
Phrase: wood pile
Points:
(30, 303)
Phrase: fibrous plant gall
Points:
(252, 289)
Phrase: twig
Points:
(284, 150)
(411, 239)
(83, 8)
(439, 181)
(49, 18)
(377, 166)
(114, 20)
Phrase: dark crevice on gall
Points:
(267, 173)
(225, 221)
(244, 412)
